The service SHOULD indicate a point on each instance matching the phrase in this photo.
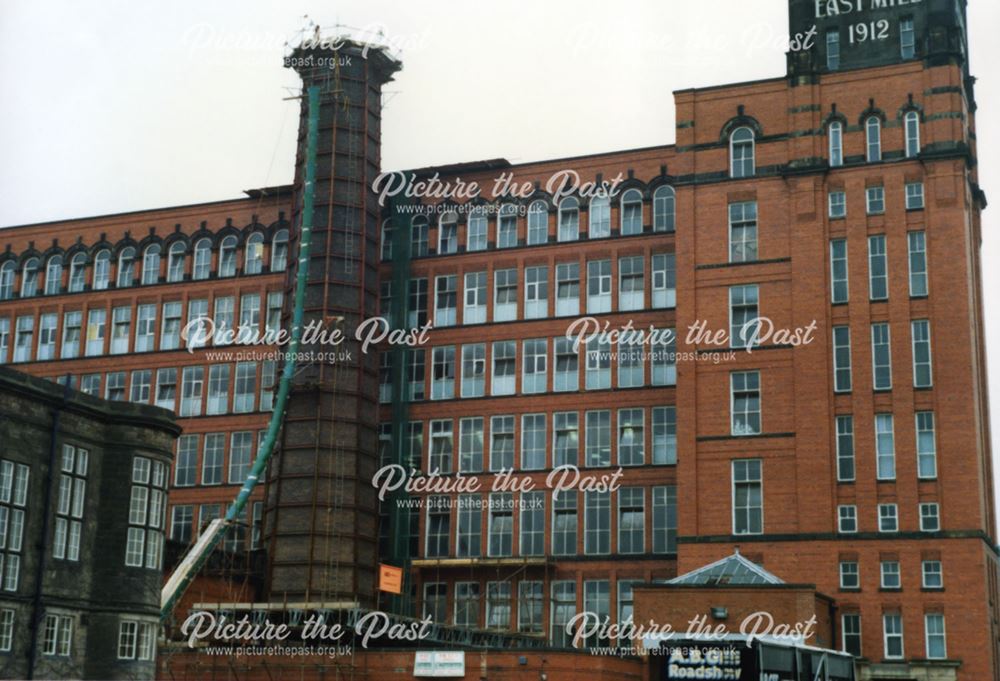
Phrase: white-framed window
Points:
(850, 625)
(833, 50)
(442, 446)
(914, 195)
(77, 273)
(29, 278)
(4, 338)
(192, 384)
(501, 525)
(7, 280)
(567, 289)
(663, 358)
(631, 283)
(562, 613)
(664, 281)
(892, 629)
(536, 292)
(90, 384)
(170, 328)
(6, 629)
(186, 466)
(279, 251)
(596, 523)
(926, 446)
(96, 327)
(664, 519)
(469, 532)
(416, 303)
(664, 209)
(534, 436)
(743, 231)
(936, 645)
(931, 574)
(664, 435)
(213, 453)
(166, 388)
(598, 286)
(507, 226)
(930, 517)
(907, 38)
(875, 200)
(745, 402)
(419, 235)
(565, 520)
(227, 256)
(446, 300)
(741, 153)
(538, 223)
(885, 448)
(448, 233)
(920, 330)
(14, 479)
(72, 332)
(881, 357)
(845, 448)
(600, 217)
(474, 370)
(850, 577)
(631, 360)
(474, 306)
(567, 365)
(535, 366)
(565, 439)
(917, 243)
(175, 261)
(136, 640)
(477, 231)
(151, 264)
(530, 593)
(911, 127)
(47, 324)
(121, 329)
(114, 386)
(597, 375)
(501, 443)
(498, 605)
(631, 520)
(837, 204)
(147, 510)
(253, 254)
(888, 518)
(145, 327)
(467, 599)
(505, 295)
(53, 275)
(415, 374)
(841, 359)
(245, 387)
(890, 576)
(744, 315)
(631, 437)
(126, 267)
(102, 270)
(443, 373)
(748, 496)
(438, 527)
(630, 212)
(202, 266)
(873, 139)
(504, 375)
(57, 635)
(569, 219)
(878, 270)
(598, 439)
(835, 132)
(847, 519)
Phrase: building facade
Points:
(83, 496)
(812, 240)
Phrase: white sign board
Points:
(439, 663)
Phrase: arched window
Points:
(77, 272)
(175, 261)
(664, 209)
(741, 153)
(538, 223)
(29, 278)
(279, 251)
(102, 269)
(7, 281)
(600, 217)
(569, 219)
(202, 259)
(227, 257)
(912, 125)
(873, 132)
(631, 212)
(507, 226)
(126, 267)
(253, 254)
(53, 275)
(836, 134)
(387, 240)
(448, 233)
(151, 264)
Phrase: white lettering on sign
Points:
(834, 8)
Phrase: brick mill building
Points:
(839, 201)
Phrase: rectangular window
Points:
(937, 648)
(598, 286)
(743, 231)
(446, 300)
(664, 435)
(170, 331)
(72, 323)
(414, 449)
(192, 382)
(501, 443)
(467, 604)
(881, 357)
(90, 384)
(663, 358)
(275, 300)
(6, 629)
(841, 359)
(136, 640)
(4, 338)
(596, 523)
(892, 627)
(847, 519)
(838, 270)
(745, 402)
(501, 524)
(435, 601)
(851, 626)
(917, 242)
(875, 197)
(532, 523)
(96, 323)
(748, 501)
(596, 600)
(166, 388)
(505, 295)
(888, 518)
(533, 440)
(565, 439)
(567, 289)
(470, 445)
(631, 437)
(419, 233)
(147, 509)
(141, 388)
(145, 328)
(845, 448)
(631, 520)
(469, 534)
(563, 612)
(665, 519)
(474, 370)
(416, 303)
(838, 204)
(442, 446)
(849, 576)
(536, 292)
(529, 607)
(631, 360)
(507, 227)
(185, 468)
(538, 224)
(13, 503)
(833, 49)
(415, 370)
(907, 39)
(114, 386)
(914, 195)
(926, 445)
(631, 283)
(889, 570)
(930, 517)
(567, 369)
(245, 387)
(932, 576)
(240, 456)
(885, 447)
(218, 389)
(535, 366)
(743, 315)
(212, 455)
(47, 336)
(438, 518)
(921, 332)
(598, 369)
(268, 377)
(448, 235)
(225, 325)
(598, 441)
(443, 376)
(57, 636)
(498, 605)
(474, 309)
(664, 281)
(504, 376)
(477, 233)
(564, 523)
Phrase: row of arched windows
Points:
(144, 267)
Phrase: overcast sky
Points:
(119, 105)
